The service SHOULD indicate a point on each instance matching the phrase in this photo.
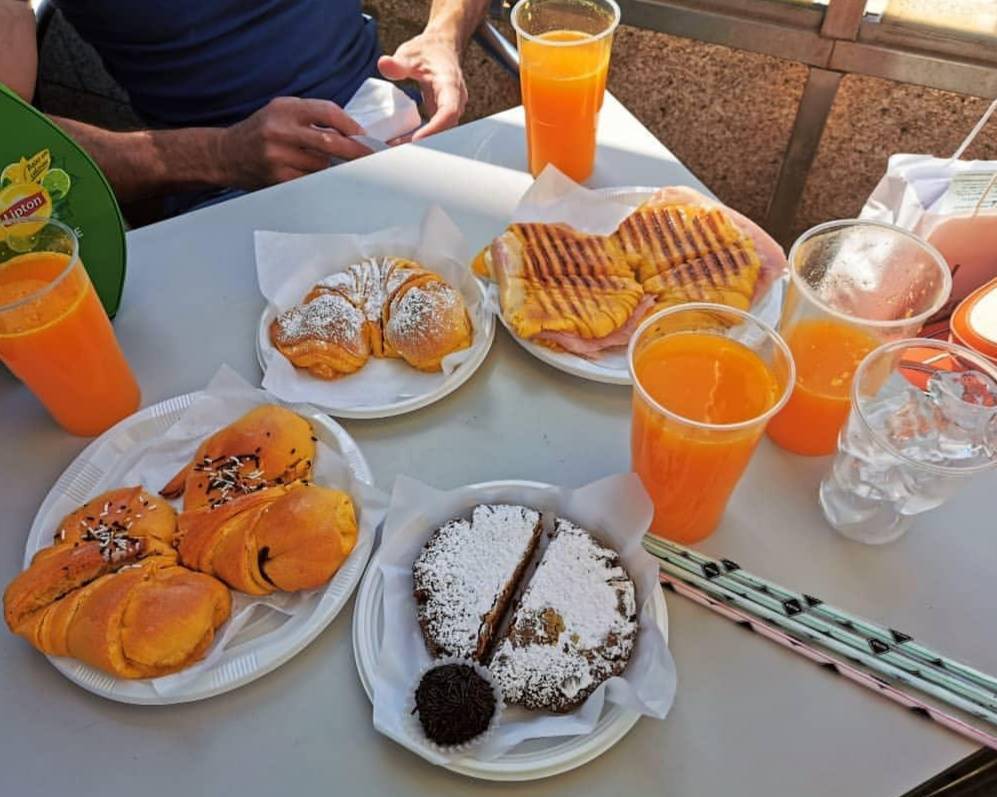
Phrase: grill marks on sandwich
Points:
(554, 280)
(572, 276)
(690, 254)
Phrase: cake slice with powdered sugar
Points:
(575, 626)
(466, 574)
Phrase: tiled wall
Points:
(728, 114)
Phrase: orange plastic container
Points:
(974, 322)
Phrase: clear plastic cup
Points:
(54, 333)
(923, 423)
(564, 51)
(707, 378)
(854, 284)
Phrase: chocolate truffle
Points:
(455, 704)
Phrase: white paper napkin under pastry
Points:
(616, 509)
(289, 264)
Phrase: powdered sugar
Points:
(575, 625)
(329, 316)
(363, 284)
(464, 568)
(422, 310)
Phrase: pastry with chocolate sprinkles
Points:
(455, 704)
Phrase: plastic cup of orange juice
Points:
(564, 49)
(54, 333)
(854, 284)
(707, 378)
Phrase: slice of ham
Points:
(591, 347)
(769, 252)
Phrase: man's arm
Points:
(18, 48)
(275, 144)
(433, 60)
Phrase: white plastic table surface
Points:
(750, 718)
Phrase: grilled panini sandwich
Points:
(685, 247)
(566, 289)
(585, 293)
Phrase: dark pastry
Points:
(455, 704)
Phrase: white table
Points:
(749, 719)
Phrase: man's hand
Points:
(433, 61)
(280, 142)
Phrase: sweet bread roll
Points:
(110, 593)
(268, 445)
(327, 335)
(131, 509)
(330, 340)
(289, 537)
(424, 321)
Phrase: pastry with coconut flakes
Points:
(575, 625)
(466, 574)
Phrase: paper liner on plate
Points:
(288, 265)
(415, 728)
(616, 510)
(226, 398)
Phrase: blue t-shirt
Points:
(214, 62)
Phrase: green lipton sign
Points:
(43, 173)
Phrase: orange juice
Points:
(690, 470)
(826, 353)
(563, 78)
(59, 342)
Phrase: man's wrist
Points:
(446, 33)
(216, 154)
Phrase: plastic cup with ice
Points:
(923, 423)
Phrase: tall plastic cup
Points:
(923, 423)
(54, 333)
(707, 378)
(853, 285)
(564, 50)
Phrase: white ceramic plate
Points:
(531, 760)
(459, 376)
(612, 368)
(252, 654)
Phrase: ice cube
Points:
(966, 402)
(914, 425)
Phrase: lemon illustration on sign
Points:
(13, 173)
(22, 201)
(57, 183)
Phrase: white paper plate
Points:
(612, 368)
(460, 375)
(248, 659)
(530, 760)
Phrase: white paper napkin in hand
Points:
(383, 110)
(616, 509)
